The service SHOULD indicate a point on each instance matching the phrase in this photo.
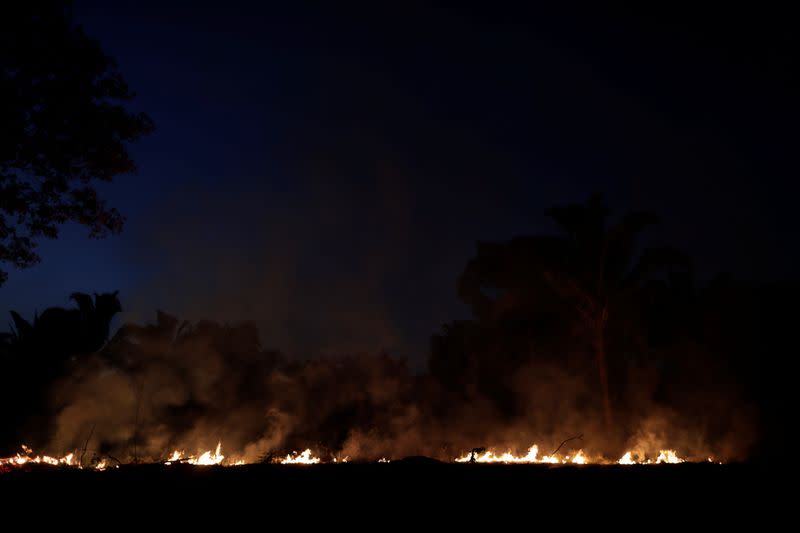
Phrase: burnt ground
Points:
(415, 489)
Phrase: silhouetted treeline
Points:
(705, 360)
(701, 368)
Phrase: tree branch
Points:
(566, 441)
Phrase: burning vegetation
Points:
(307, 457)
(632, 365)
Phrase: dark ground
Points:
(416, 490)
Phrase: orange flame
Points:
(637, 458)
(207, 458)
(27, 457)
(580, 458)
(304, 458)
(508, 458)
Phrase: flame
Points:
(207, 458)
(176, 456)
(664, 456)
(304, 458)
(668, 456)
(215, 457)
(508, 458)
(490, 457)
(580, 458)
(626, 459)
(27, 457)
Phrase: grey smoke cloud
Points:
(158, 389)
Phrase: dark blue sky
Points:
(327, 172)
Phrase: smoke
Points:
(165, 387)
(158, 388)
(330, 264)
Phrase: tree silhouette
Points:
(59, 333)
(62, 127)
(35, 354)
(591, 266)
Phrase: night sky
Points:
(326, 172)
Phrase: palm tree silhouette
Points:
(589, 263)
(59, 333)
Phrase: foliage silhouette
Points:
(63, 126)
(708, 358)
(705, 349)
(587, 273)
(38, 353)
(59, 333)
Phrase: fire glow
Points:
(307, 457)
(304, 458)
(207, 458)
(27, 457)
(579, 458)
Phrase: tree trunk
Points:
(602, 367)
